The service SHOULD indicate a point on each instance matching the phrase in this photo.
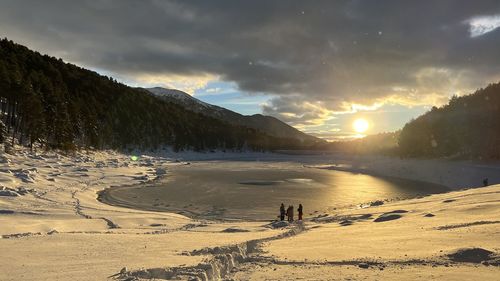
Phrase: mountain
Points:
(266, 124)
(186, 101)
(47, 102)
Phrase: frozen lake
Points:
(253, 190)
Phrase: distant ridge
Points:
(266, 124)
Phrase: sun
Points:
(360, 125)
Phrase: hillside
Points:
(266, 124)
(467, 127)
(48, 102)
(382, 143)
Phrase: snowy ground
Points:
(411, 244)
(53, 228)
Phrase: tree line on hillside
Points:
(57, 105)
(382, 143)
(467, 127)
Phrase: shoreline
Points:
(106, 196)
(453, 174)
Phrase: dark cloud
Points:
(324, 53)
(297, 110)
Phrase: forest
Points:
(381, 144)
(468, 127)
(47, 103)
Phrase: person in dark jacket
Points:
(289, 213)
(282, 212)
(299, 210)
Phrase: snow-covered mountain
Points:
(180, 97)
(267, 124)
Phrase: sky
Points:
(317, 65)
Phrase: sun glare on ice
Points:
(360, 125)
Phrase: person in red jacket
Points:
(299, 210)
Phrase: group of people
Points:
(289, 212)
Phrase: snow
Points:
(414, 242)
(453, 174)
(64, 230)
(183, 97)
(57, 230)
